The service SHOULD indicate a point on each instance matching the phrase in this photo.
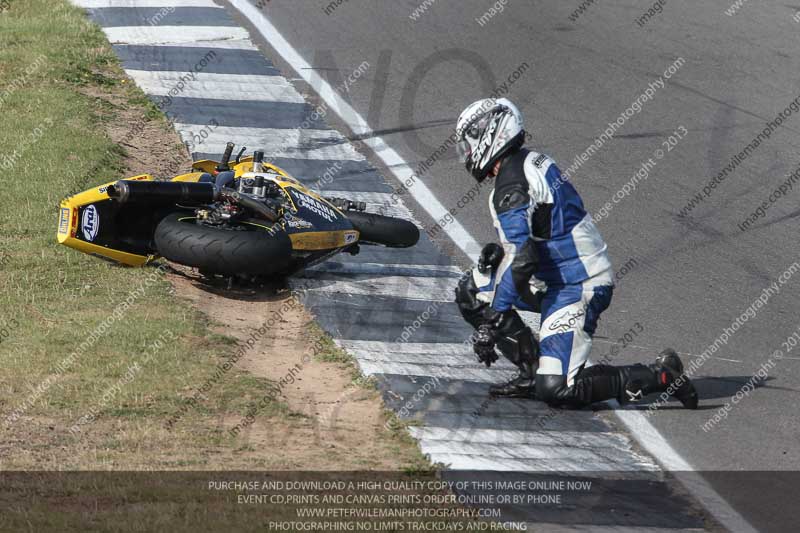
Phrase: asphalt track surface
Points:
(692, 276)
(695, 275)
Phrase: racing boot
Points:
(522, 350)
(665, 375)
(674, 380)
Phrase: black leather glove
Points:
(491, 256)
(483, 344)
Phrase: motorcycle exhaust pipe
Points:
(167, 192)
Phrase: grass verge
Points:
(95, 356)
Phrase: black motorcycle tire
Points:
(252, 250)
(388, 231)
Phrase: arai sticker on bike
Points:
(90, 223)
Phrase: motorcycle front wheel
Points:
(243, 249)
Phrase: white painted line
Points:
(216, 86)
(172, 34)
(540, 457)
(393, 161)
(464, 360)
(290, 143)
(613, 443)
(228, 44)
(478, 462)
(654, 443)
(576, 463)
(649, 436)
(478, 374)
(409, 288)
(425, 348)
(526, 451)
(99, 4)
(397, 269)
(563, 439)
(419, 353)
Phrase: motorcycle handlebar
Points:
(258, 161)
(226, 158)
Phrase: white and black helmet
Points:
(485, 132)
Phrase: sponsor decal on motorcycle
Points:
(296, 222)
(315, 205)
(63, 221)
(322, 240)
(90, 223)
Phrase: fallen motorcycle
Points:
(245, 219)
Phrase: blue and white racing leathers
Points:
(551, 244)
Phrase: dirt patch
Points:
(150, 145)
(334, 421)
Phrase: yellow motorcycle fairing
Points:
(332, 237)
(71, 213)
